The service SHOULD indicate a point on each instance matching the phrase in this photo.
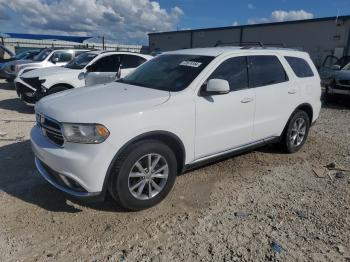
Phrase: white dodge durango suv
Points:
(184, 108)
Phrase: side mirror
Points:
(216, 87)
(81, 76)
(119, 72)
(54, 60)
(335, 67)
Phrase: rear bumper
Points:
(339, 90)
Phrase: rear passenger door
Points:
(104, 70)
(276, 97)
(129, 63)
(224, 122)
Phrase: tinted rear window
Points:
(300, 67)
(265, 70)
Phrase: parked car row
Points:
(86, 69)
(131, 137)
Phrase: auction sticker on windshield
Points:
(191, 63)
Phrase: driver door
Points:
(104, 70)
(225, 122)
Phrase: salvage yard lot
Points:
(256, 206)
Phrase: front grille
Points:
(32, 81)
(62, 180)
(51, 129)
(344, 82)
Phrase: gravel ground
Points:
(262, 205)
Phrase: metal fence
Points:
(21, 44)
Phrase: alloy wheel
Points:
(148, 176)
(298, 132)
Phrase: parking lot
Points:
(256, 206)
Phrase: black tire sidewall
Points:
(119, 186)
(298, 114)
(56, 89)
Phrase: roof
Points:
(216, 51)
(347, 17)
(77, 39)
(98, 52)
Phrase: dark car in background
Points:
(335, 75)
(25, 55)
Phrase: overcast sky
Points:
(129, 21)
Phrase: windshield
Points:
(27, 54)
(42, 55)
(81, 61)
(22, 55)
(168, 72)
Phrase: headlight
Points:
(85, 133)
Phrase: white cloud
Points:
(235, 23)
(251, 6)
(281, 16)
(121, 20)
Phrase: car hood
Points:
(342, 75)
(45, 72)
(100, 103)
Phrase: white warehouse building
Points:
(319, 37)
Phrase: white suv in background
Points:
(89, 68)
(46, 58)
(184, 108)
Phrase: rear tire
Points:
(143, 175)
(296, 133)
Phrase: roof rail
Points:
(243, 44)
(248, 45)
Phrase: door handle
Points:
(292, 91)
(247, 100)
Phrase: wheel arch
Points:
(170, 139)
(62, 84)
(306, 107)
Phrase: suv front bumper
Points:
(76, 169)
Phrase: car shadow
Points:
(7, 86)
(15, 104)
(337, 102)
(272, 148)
(19, 179)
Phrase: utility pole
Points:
(103, 42)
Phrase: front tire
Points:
(296, 132)
(143, 175)
(56, 89)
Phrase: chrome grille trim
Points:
(51, 129)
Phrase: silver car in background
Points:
(46, 58)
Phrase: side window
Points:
(132, 61)
(62, 56)
(107, 64)
(300, 67)
(235, 71)
(265, 70)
